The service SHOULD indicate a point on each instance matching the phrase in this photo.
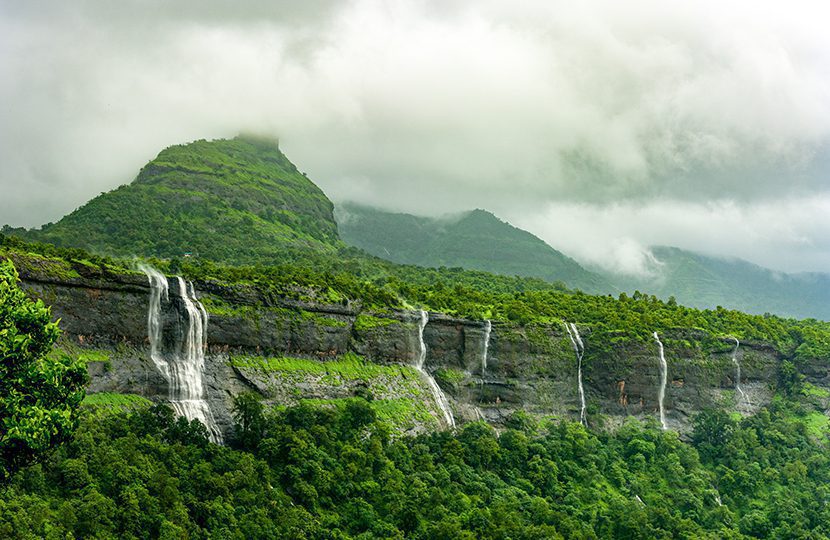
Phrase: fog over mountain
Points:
(602, 127)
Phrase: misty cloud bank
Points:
(601, 126)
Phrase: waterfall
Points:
(479, 415)
(661, 394)
(183, 364)
(738, 389)
(579, 349)
(488, 327)
(437, 393)
(158, 290)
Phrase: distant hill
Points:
(238, 201)
(706, 282)
(475, 240)
(479, 240)
(241, 201)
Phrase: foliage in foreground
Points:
(321, 473)
(39, 392)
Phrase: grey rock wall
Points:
(529, 368)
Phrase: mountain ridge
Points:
(732, 282)
(242, 201)
(691, 278)
(234, 200)
(476, 240)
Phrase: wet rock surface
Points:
(532, 368)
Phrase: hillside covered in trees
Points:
(337, 470)
(335, 473)
(238, 201)
(475, 240)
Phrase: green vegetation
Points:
(322, 320)
(350, 366)
(114, 401)
(475, 240)
(92, 355)
(49, 267)
(238, 201)
(395, 391)
(339, 468)
(331, 470)
(378, 285)
(217, 306)
(451, 376)
(39, 392)
(393, 415)
(365, 322)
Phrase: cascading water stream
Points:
(158, 289)
(183, 366)
(437, 393)
(579, 349)
(661, 394)
(488, 328)
(738, 389)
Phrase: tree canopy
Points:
(39, 392)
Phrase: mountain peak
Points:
(235, 200)
(476, 240)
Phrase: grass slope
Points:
(476, 240)
(237, 201)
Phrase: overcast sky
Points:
(601, 126)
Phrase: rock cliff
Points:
(290, 350)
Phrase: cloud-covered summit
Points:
(673, 120)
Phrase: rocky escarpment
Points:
(288, 350)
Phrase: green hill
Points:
(241, 201)
(238, 201)
(706, 282)
(475, 240)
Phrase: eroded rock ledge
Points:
(288, 350)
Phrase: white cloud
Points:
(439, 106)
(789, 235)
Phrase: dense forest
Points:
(475, 240)
(132, 470)
(306, 472)
(118, 466)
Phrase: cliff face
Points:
(288, 350)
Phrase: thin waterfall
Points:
(579, 349)
(488, 327)
(437, 393)
(184, 364)
(158, 289)
(738, 389)
(661, 394)
(479, 415)
(187, 393)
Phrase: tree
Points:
(39, 392)
(250, 421)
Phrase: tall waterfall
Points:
(183, 364)
(158, 289)
(437, 393)
(661, 394)
(488, 327)
(579, 349)
(738, 389)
